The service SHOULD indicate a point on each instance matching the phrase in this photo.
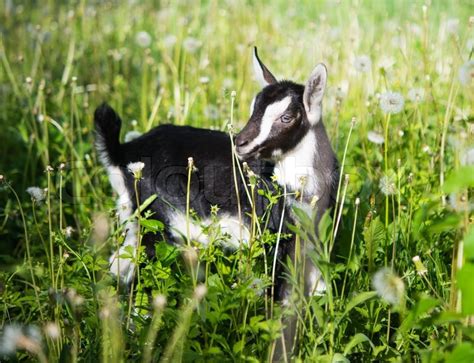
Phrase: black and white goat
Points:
(284, 136)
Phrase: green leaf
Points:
(463, 353)
(152, 225)
(374, 235)
(465, 275)
(469, 244)
(339, 358)
(423, 306)
(359, 299)
(460, 179)
(357, 339)
(238, 347)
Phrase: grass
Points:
(408, 196)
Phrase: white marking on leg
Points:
(124, 267)
(227, 225)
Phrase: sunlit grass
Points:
(399, 112)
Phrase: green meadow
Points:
(397, 252)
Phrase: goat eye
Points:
(286, 118)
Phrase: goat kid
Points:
(284, 136)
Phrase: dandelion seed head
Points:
(211, 112)
(169, 41)
(204, 80)
(386, 62)
(467, 157)
(416, 95)
(375, 137)
(362, 63)
(387, 184)
(391, 102)
(258, 286)
(191, 45)
(452, 26)
(132, 135)
(143, 39)
(36, 193)
(388, 286)
(466, 73)
(227, 83)
(470, 45)
(459, 202)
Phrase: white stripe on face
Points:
(272, 112)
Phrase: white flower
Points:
(132, 135)
(362, 63)
(36, 193)
(388, 286)
(467, 158)
(169, 40)
(40, 118)
(191, 45)
(452, 26)
(466, 73)
(391, 102)
(136, 169)
(375, 137)
(143, 39)
(68, 231)
(416, 95)
(387, 184)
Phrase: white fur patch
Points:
(228, 225)
(315, 282)
(252, 106)
(258, 71)
(298, 164)
(123, 267)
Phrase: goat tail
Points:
(107, 128)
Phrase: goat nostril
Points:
(241, 142)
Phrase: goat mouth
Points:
(247, 154)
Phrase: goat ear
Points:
(314, 92)
(264, 76)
